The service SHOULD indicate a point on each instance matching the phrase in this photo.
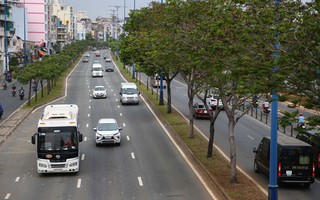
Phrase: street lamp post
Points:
(6, 41)
(161, 101)
(24, 34)
(273, 187)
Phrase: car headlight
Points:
(43, 165)
(73, 164)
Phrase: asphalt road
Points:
(147, 165)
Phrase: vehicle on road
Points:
(57, 140)
(86, 55)
(108, 59)
(294, 160)
(156, 81)
(200, 111)
(214, 101)
(99, 92)
(312, 137)
(108, 132)
(97, 53)
(129, 93)
(109, 68)
(96, 70)
(85, 59)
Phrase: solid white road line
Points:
(140, 181)
(79, 183)
(17, 179)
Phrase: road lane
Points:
(158, 171)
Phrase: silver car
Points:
(108, 132)
(99, 92)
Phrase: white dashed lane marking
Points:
(140, 181)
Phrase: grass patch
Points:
(217, 166)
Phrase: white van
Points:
(129, 93)
(97, 70)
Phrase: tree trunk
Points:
(191, 128)
(29, 93)
(211, 139)
(169, 110)
(41, 84)
(233, 157)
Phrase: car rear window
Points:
(296, 155)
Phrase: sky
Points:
(103, 8)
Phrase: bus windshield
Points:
(57, 139)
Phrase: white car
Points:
(212, 100)
(99, 92)
(108, 60)
(108, 132)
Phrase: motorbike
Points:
(266, 110)
(301, 125)
(14, 92)
(21, 95)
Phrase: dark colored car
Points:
(294, 158)
(312, 137)
(200, 111)
(109, 68)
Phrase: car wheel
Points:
(256, 167)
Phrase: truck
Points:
(57, 139)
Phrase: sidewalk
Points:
(11, 123)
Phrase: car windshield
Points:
(55, 139)
(107, 127)
(99, 89)
(97, 69)
(129, 91)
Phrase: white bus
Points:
(58, 139)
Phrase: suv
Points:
(312, 137)
(108, 132)
(294, 160)
(212, 100)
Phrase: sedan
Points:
(99, 92)
(108, 60)
(200, 111)
(107, 132)
(85, 59)
(109, 68)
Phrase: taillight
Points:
(279, 169)
(199, 111)
(313, 169)
(318, 159)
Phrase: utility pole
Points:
(6, 40)
(117, 31)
